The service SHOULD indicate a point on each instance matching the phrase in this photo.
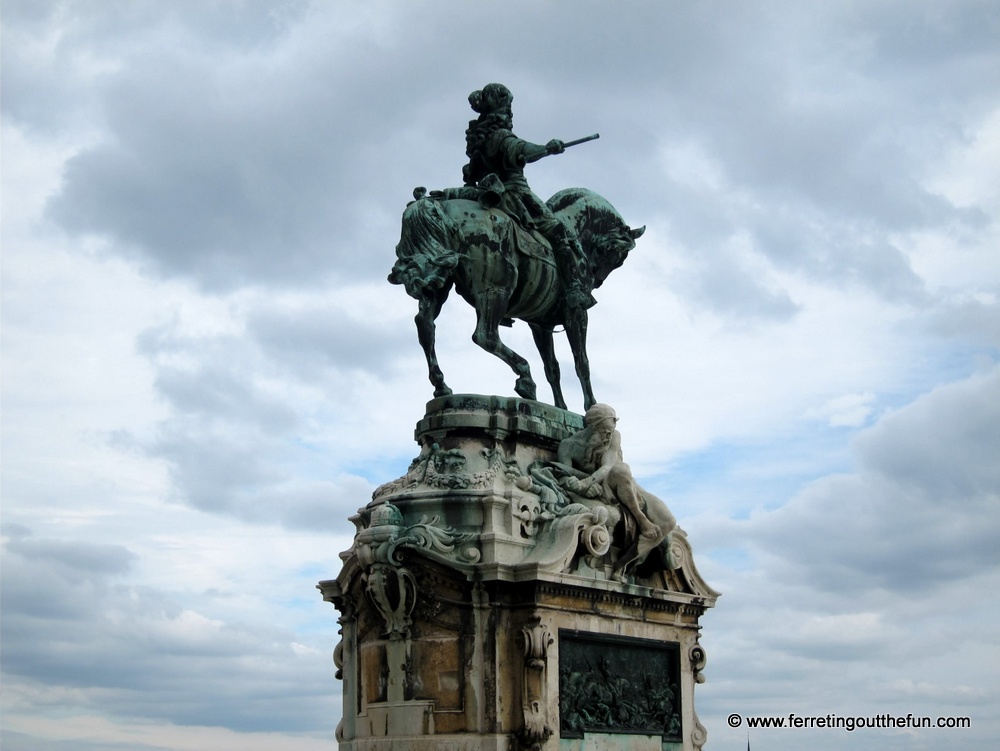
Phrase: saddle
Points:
(527, 240)
(532, 243)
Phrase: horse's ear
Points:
(637, 233)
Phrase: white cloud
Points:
(850, 410)
(205, 373)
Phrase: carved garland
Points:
(442, 469)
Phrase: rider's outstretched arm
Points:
(533, 151)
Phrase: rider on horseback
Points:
(493, 149)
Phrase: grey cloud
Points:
(827, 160)
(235, 443)
(54, 51)
(286, 160)
(849, 127)
(789, 237)
(258, 184)
(838, 251)
(316, 338)
(231, 177)
(74, 572)
(255, 478)
(973, 322)
(928, 487)
(14, 741)
(313, 505)
(141, 653)
(80, 558)
(225, 434)
(776, 647)
(214, 380)
(14, 531)
(216, 390)
(733, 291)
(226, 196)
(214, 468)
(944, 446)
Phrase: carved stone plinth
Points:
(481, 607)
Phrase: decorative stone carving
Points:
(612, 684)
(698, 660)
(381, 541)
(590, 466)
(573, 530)
(698, 734)
(464, 570)
(576, 502)
(518, 526)
(435, 468)
(536, 640)
(393, 590)
(390, 585)
(500, 466)
(338, 657)
(442, 469)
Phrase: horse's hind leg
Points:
(491, 306)
(428, 311)
(576, 332)
(543, 340)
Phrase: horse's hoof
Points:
(526, 389)
(442, 391)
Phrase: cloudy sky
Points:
(205, 371)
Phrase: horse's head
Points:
(605, 236)
(608, 250)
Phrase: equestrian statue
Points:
(507, 252)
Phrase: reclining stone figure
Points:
(590, 466)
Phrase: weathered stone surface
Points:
(465, 572)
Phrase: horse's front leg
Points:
(491, 306)
(543, 340)
(429, 308)
(576, 332)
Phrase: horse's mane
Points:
(581, 208)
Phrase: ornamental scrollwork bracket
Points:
(536, 639)
(698, 660)
(393, 591)
(385, 537)
(391, 587)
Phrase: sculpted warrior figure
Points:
(493, 149)
(508, 253)
(594, 468)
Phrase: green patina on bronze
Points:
(617, 685)
(508, 253)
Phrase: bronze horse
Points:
(506, 272)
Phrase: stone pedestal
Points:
(481, 608)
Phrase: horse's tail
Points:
(424, 262)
